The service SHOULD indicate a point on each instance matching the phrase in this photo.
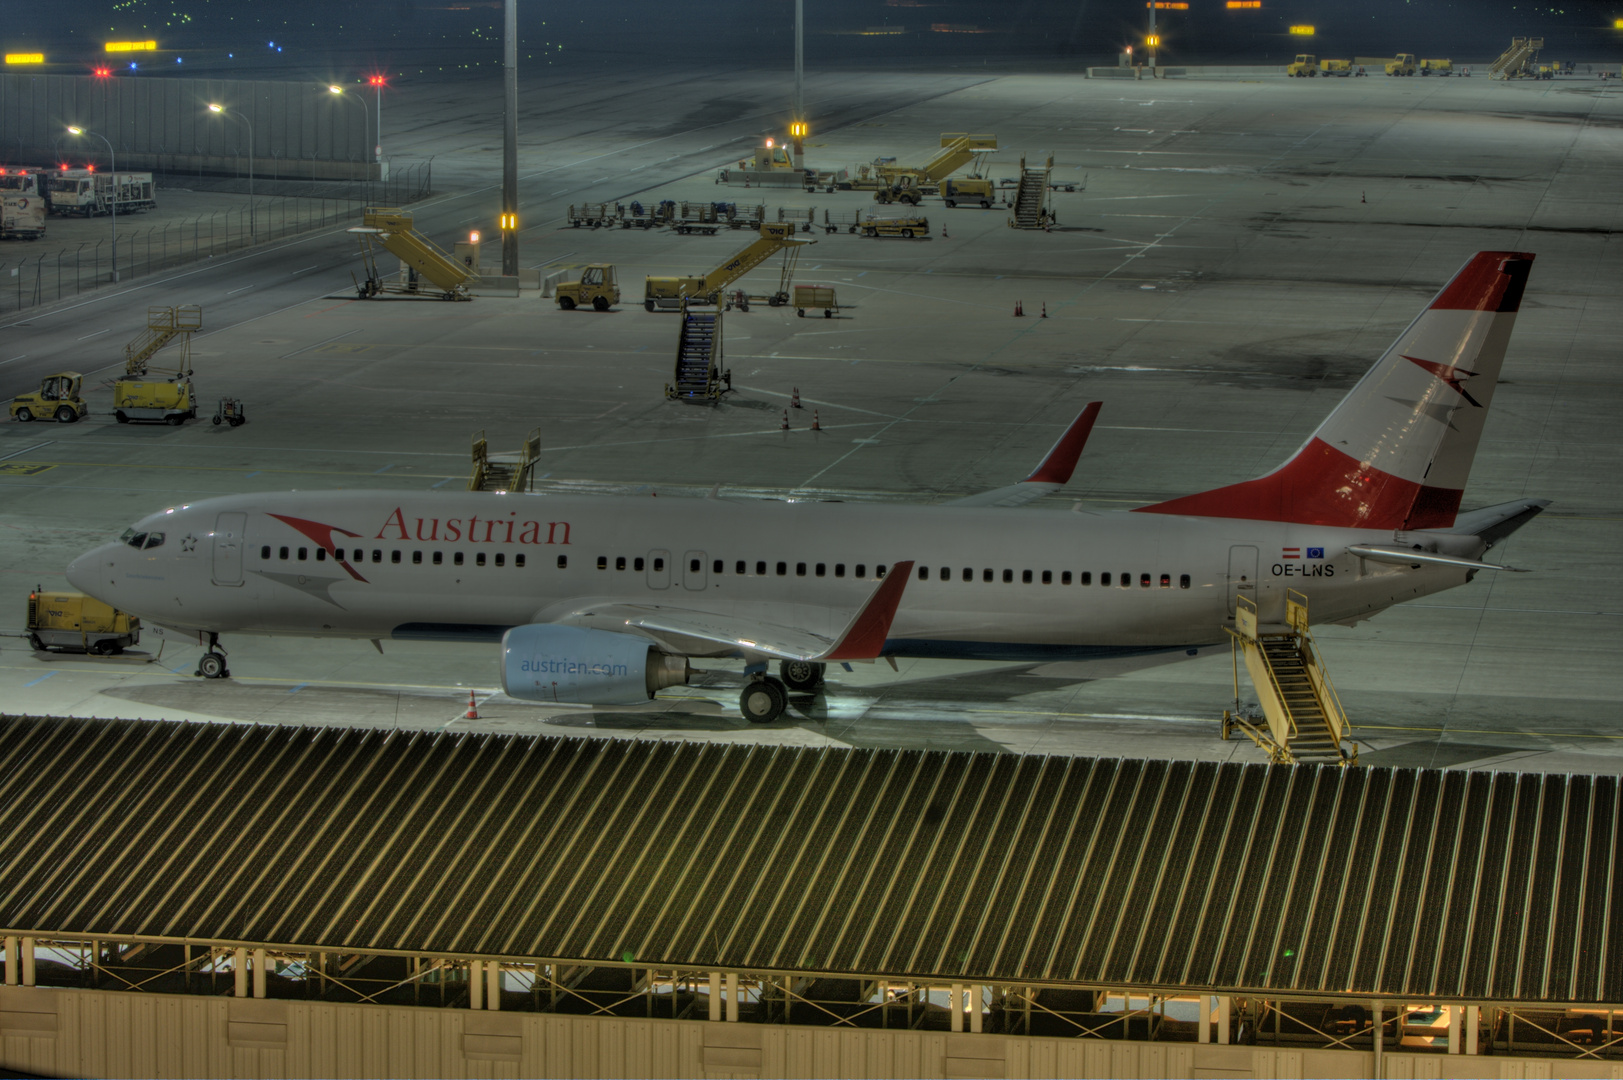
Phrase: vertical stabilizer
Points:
(1397, 451)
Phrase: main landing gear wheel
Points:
(763, 701)
(212, 666)
(801, 676)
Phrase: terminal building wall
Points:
(50, 1031)
(300, 129)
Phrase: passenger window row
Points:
(742, 567)
(358, 555)
(1028, 577)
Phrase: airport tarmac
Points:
(1242, 252)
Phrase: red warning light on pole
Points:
(376, 80)
(104, 72)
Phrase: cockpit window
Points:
(154, 540)
(129, 532)
(137, 540)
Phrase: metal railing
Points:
(51, 276)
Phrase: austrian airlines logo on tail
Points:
(1453, 376)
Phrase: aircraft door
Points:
(1242, 574)
(228, 530)
(693, 574)
(659, 569)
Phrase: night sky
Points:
(405, 37)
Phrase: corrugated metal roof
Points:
(904, 864)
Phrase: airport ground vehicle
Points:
(1338, 68)
(1402, 64)
(815, 296)
(229, 411)
(169, 398)
(74, 622)
(420, 258)
(87, 193)
(596, 288)
(906, 184)
(776, 236)
(22, 206)
(1436, 67)
(607, 600)
(969, 191)
(1305, 66)
(909, 227)
(56, 399)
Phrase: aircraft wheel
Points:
(65, 414)
(24, 414)
(802, 676)
(212, 666)
(763, 701)
(600, 303)
(567, 303)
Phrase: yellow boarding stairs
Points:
(1031, 198)
(391, 229)
(1517, 60)
(905, 183)
(164, 324)
(1303, 721)
(504, 472)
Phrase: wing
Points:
(862, 639)
(1053, 474)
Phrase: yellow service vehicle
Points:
(171, 400)
(57, 399)
(161, 401)
(908, 227)
(1436, 67)
(1338, 68)
(596, 287)
(1402, 64)
(776, 236)
(972, 190)
(1305, 67)
(71, 621)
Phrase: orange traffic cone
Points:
(817, 424)
(785, 420)
(1045, 309)
(1019, 312)
(473, 709)
(794, 401)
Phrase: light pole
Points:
(112, 200)
(377, 148)
(366, 117)
(220, 109)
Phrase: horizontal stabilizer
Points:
(1054, 472)
(1493, 523)
(1402, 556)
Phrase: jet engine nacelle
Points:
(569, 665)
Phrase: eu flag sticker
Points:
(1315, 553)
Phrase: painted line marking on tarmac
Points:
(14, 359)
(27, 450)
(98, 333)
(296, 689)
(234, 292)
(385, 469)
(251, 475)
(39, 680)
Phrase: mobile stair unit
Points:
(1303, 721)
(169, 398)
(699, 372)
(906, 184)
(775, 236)
(1518, 61)
(1031, 198)
(504, 472)
(421, 261)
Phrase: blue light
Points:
(180, 60)
(273, 44)
(132, 65)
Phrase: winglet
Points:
(865, 637)
(1061, 460)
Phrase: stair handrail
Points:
(1329, 701)
(1247, 628)
(481, 461)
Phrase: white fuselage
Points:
(988, 584)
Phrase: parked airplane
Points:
(603, 600)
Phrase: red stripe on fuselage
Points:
(1320, 486)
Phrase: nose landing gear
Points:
(212, 665)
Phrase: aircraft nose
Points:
(84, 572)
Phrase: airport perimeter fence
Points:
(59, 275)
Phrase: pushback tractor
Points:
(56, 399)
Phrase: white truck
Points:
(22, 210)
(88, 193)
